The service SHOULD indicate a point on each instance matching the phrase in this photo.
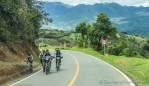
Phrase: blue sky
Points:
(121, 2)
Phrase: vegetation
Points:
(118, 43)
(56, 37)
(124, 45)
(21, 20)
(103, 30)
(128, 45)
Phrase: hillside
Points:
(123, 45)
(12, 60)
(19, 27)
(56, 37)
(126, 18)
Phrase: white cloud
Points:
(146, 4)
(121, 2)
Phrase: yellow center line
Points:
(77, 71)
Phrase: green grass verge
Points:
(136, 68)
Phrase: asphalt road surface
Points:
(77, 69)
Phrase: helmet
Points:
(47, 51)
(43, 51)
(29, 53)
(56, 49)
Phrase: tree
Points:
(81, 28)
(85, 30)
(102, 29)
(21, 19)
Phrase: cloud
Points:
(145, 4)
(121, 2)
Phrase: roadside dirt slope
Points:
(12, 60)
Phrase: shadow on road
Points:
(62, 69)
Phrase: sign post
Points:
(65, 45)
(84, 45)
(104, 43)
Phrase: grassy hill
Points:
(56, 37)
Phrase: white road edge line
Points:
(25, 78)
(127, 78)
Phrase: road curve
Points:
(77, 69)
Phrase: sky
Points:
(144, 3)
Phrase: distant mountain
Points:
(133, 20)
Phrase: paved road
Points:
(77, 69)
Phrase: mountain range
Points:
(130, 19)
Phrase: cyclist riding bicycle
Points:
(48, 55)
(58, 54)
(41, 56)
(29, 58)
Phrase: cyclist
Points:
(47, 55)
(41, 56)
(29, 58)
(58, 54)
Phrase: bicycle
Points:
(29, 67)
(43, 64)
(58, 63)
(47, 65)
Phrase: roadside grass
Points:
(136, 68)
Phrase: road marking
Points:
(25, 78)
(76, 73)
(123, 74)
(53, 60)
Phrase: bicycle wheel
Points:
(28, 68)
(43, 66)
(47, 68)
(57, 66)
(31, 70)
